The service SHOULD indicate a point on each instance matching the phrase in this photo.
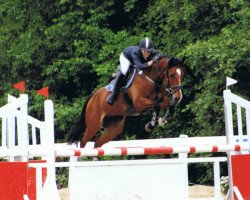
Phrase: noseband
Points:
(172, 89)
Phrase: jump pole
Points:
(123, 151)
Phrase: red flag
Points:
(20, 86)
(44, 92)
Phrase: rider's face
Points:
(145, 53)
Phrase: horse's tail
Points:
(76, 131)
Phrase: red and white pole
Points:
(125, 151)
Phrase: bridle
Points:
(170, 89)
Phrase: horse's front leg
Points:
(161, 104)
(163, 120)
(154, 121)
(168, 114)
(164, 105)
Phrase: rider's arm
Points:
(154, 52)
(139, 64)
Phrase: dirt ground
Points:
(199, 191)
(196, 191)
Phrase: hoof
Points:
(149, 127)
(162, 121)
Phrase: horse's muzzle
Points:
(174, 94)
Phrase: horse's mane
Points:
(164, 56)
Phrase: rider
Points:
(142, 57)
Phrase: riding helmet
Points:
(146, 43)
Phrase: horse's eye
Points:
(172, 75)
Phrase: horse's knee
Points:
(164, 103)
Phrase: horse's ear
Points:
(186, 66)
(171, 62)
(184, 59)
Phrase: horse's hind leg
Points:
(88, 135)
(91, 129)
(110, 132)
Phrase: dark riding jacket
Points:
(134, 55)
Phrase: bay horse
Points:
(97, 113)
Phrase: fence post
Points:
(16, 124)
(23, 135)
(217, 191)
(183, 157)
(49, 190)
(229, 133)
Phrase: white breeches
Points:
(125, 64)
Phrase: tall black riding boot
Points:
(118, 84)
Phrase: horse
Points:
(144, 95)
(174, 93)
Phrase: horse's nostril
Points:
(176, 98)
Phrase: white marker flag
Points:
(230, 81)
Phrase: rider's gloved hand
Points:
(156, 58)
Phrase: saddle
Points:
(128, 80)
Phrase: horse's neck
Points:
(142, 82)
(145, 78)
(157, 69)
(154, 73)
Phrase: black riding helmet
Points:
(146, 43)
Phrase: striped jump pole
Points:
(126, 151)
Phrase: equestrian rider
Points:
(142, 57)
